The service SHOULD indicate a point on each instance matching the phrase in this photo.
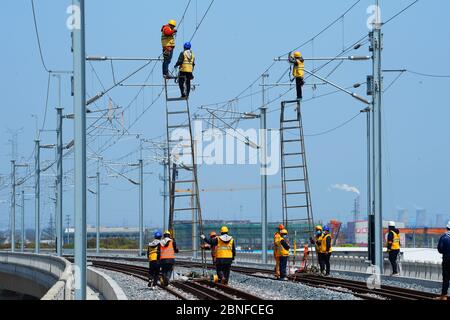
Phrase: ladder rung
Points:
(176, 99)
(179, 126)
(289, 128)
(294, 180)
(176, 112)
(293, 207)
(292, 154)
(291, 140)
(296, 192)
(185, 209)
(291, 101)
(186, 167)
(184, 181)
(292, 167)
(290, 120)
(184, 195)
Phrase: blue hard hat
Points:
(187, 45)
(158, 234)
(326, 228)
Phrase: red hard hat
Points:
(281, 226)
(212, 234)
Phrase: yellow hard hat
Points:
(297, 54)
(168, 232)
(224, 229)
(319, 228)
(284, 231)
(173, 23)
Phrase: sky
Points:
(234, 45)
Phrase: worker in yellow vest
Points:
(168, 33)
(276, 253)
(153, 255)
(393, 246)
(225, 253)
(168, 248)
(298, 72)
(186, 63)
(283, 248)
(325, 250)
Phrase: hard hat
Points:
(319, 228)
(187, 46)
(167, 232)
(212, 234)
(281, 226)
(224, 229)
(158, 234)
(391, 223)
(297, 54)
(173, 23)
(448, 225)
(326, 228)
(284, 231)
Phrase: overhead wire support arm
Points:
(105, 58)
(351, 58)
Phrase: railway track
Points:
(202, 289)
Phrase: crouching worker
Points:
(168, 248)
(225, 253)
(153, 258)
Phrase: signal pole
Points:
(59, 180)
(263, 172)
(22, 243)
(97, 242)
(37, 191)
(13, 205)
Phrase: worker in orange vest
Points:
(167, 250)
(276, 251)
(168, 33)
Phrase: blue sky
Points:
(235, 43)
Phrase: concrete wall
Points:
(42, 276)
(105, 285)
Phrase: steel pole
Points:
(141, 206)
(97, 240)
(37, 205)
(263, 125)
(22, 229)
(165, 194)
(13, 205)
(59, 180)
(79, 59)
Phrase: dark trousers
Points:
(184, 82)
(166, 270)
(299, 84)
(324, 262)
(153, 272)
(167, 54)
(445, 276)
(223, 272)
(393, 255)
(283, 267)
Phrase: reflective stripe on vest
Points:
(396, 241)
(153, 254)
(224, 249)
(188, 62)
(276, 239)
(281, 249)
(167, 252)
(323, 244)
(299, 69)
(167, 41)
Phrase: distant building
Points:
(421, 218)
(402, 216)
(358, 232)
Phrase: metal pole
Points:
(141, 205)
(59, 179)
(376, 46)
(97, 242)
(263, 144)
(13, 206)
(37, 205)
(165, 194)
(79, 85)
(194, 213)
(22, 243)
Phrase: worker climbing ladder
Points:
(184, 198)
(296, 195)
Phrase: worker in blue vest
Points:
(444, 249)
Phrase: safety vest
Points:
(318, 242)
(276, 239)
(224, 249)
(167, 41)
(299, 69)
(283, 252)
(167, 252)
(188, 62)
(153, 254)
(213, 252)
(396, 241)
(323, 244)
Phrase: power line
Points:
(400, 12)
(201, 21)
(428, 75)
(38, 38)
(335, 128)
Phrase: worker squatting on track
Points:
(298, 72)
(322, 240)
(444, 249)
(161, 255)
(225, 253)
(393, 247)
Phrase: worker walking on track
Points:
(153, 254)
(168, 248)
(225, 253)
(168, 33)
(326, 250)
(283, 248)
(298, 72)
(186, 62)
(444, 249)
(276, 252)
(393, 247)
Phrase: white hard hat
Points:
(448, 225)
(391, 223)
